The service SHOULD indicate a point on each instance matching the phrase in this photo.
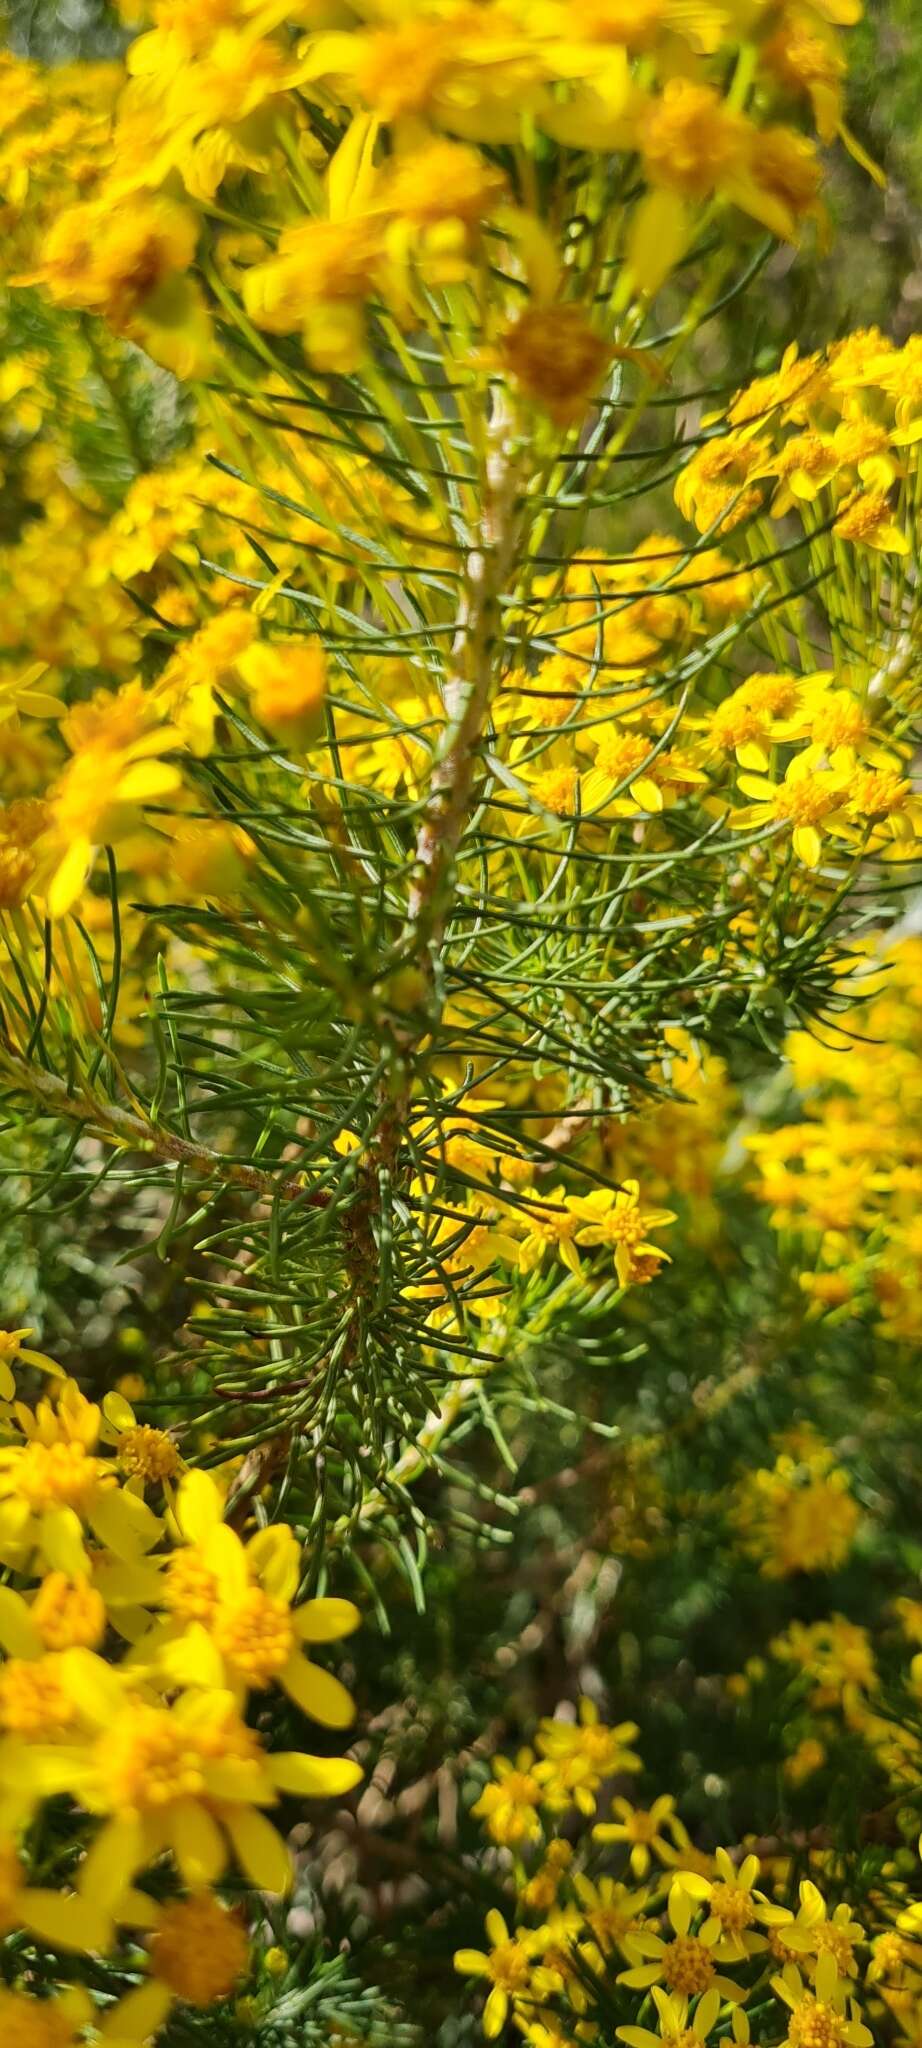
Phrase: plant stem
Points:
(118, 1126)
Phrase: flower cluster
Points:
(706, 1937)
(136, 1627)
(211, 100)
(841, 1180)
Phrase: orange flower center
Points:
(32, 1699)
(256, 1636)
(56, 1475)
(68, 1613)
(687, 1965)
(149, 1453)
(731, 1906)
(191, 1588)
(814, 2026)
(199, 1950)
(148, 1760)
(509, 1967)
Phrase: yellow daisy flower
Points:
(686, 1963)
(647, 1831)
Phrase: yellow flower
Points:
(508, 1968)
(12, 1351)
(111, 258)
(144, 1454)
(211, 859)
(97, 801)
(318, 280)
(616, 1219)
(614, 1916)
(649, 1831)
(234, 1625)
(694, 145)
(55, 2022)
(809, 796)
(632, 777)
(19, 694)
(909, 1613)
(68, 1613)
(556, 359)
(51, 1481)
(549, 1224)
(198, 1953)
(815, 1932)
(189, 1777)
(747, 722)
(539, 1892)
(804, 56)
(288, 680)
(797, 1518)
(676, 2026)
(692, 141)
(685, 1964)
(808, 1757)
(819, 2020)
(882, 797)
(440, 195)
(596, 1751)
(719, 486)
(730, 1904)
(868, 521)
(509, 1806)
(200, 666)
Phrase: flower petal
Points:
(324, 1621)
(260, 1852)
(317, 1692)
(314, 1777)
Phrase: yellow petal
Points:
(19, 1636)
(118, 1411)
(260, 1852)
(314, 1777)
(62, 1542)
(199, 1506)
(123, 1523)
(657, 237)
(274, 1554)
(226, 1557)
(471, 1962)
(494, 2012)
(752, 755)
(198, 1844)
(317, 1692)
(138, 2016)
(93, 1686)
(147, 779)
(66, 1921)
(129, 1584)
(351, 174)
(134, 1908)
(807, 845)
(192, 1659)
(111, 1861)
(69, 878)
(323, 1621)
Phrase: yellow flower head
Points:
(556, 359)
(288, 680)
(616, 1219)
(199, 1950)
